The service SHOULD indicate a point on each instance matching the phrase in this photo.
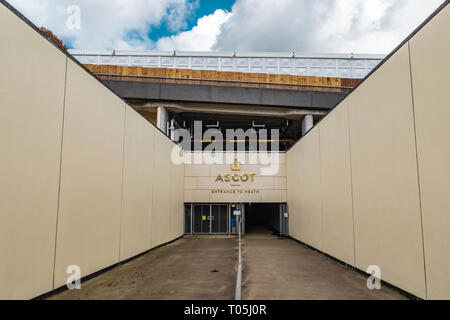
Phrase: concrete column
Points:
(162, 118)
(171, 132)
(307, 124)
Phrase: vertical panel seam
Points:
(60, 171)
(351, 181)
(417, 166)
(123, 173)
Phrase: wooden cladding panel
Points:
(222, 75)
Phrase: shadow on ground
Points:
(197, 268)
(281, 268)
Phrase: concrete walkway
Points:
(281, 268)
(196, 268)
(204, 267)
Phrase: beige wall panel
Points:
(215, 169)
(278, 170)
(228, 158)
(309, 192)
(161, 214)
(280, 183)
(273, 196)
(262, 182)
(385, 182)
(189, 195)
(91, 176)
(181, 200)
(293, 159)
(197, 170)
(222, 197)
(430, 51)
(30, 140)
(304, 198)
(204, 183)
(281, 170)
(190, 183)
(137, 192)
(200, 180)
(261, 157)
(177, 201)
(250, 197)
(282, 158)
(188, 159)
(337, 213)
(197, 196)
(172, 203)
(256, 158)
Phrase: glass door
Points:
(207, 218)
(201, 218)
(219, 218)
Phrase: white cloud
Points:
(107, 23)
(176, 19)
(201, 38)
(359, 26)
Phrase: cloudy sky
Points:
(312, 26)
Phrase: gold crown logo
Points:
(236, 166)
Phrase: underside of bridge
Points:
(217, 119)
(290, 112)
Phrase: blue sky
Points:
(204, 8)
(310, 26)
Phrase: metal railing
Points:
(229, 83)
(239, 268)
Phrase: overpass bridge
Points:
(226, 90)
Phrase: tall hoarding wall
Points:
(304, 181)
(30, 144)
(80, 170)
(137, 194)
(91, 176)
(384, 163)
(430, 66)
(336, 188)
(388, 231)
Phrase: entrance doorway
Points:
(207, 218)
(267, 217)
(219, 218)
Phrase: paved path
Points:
(281, 268)
(179, 271)
(274, 268)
